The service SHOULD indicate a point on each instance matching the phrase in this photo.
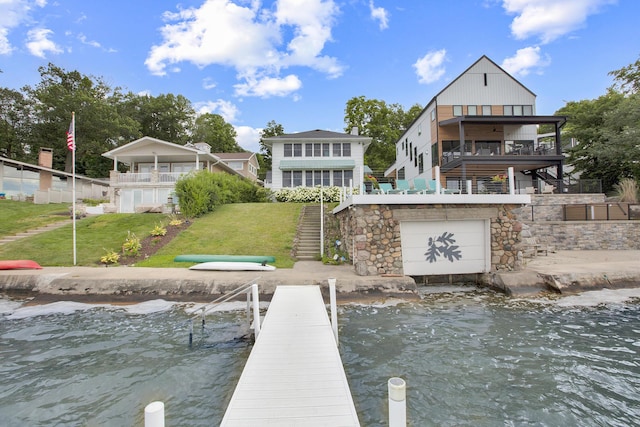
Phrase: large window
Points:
(472, 110)
(288, 150)
(341, 149)
(518, 110)
(325, 178)
(486, 110)
(420, 163)
(457, 110)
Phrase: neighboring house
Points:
(317, 157)
(494, 115)
(21, 181)
(154, 167)
(246, 164)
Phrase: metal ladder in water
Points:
(253, 302)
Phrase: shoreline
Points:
(562, 272)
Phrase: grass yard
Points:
(236, 229)
(18, 216)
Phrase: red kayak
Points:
(17, 264)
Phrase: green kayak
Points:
(224, 258)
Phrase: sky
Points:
(298, 62)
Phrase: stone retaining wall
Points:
(588, 235)
(549, 207)
(371, 233)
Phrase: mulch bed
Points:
(152, 244)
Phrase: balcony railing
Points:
(149, 178)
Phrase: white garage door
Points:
(445, 247)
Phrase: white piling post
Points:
(397, 402)
(256, 310)
(438, 186)
(512, 180)
(469, 186)
(334, 308)
(154, 414)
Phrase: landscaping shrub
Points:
(309, 194)
(202, 191)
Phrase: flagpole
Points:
(73, 161)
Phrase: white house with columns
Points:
(154, 166)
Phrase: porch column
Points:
(115, 163)
(197, 161)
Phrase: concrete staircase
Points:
(307, 242)
(29, 233)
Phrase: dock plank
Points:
(294, 374)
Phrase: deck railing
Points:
(146, 178)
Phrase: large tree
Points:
(384, 123)
(264, 157)
(168, 117)
(215, 131)
(607, 130)
(98, 124)
(16, 116)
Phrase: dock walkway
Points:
(294, 374)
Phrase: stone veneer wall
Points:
(372, 233)
(545, 219)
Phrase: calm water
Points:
(469, 359)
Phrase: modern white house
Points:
(154, 166)
(494, 116)
(317, 158)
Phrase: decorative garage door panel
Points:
(445, 247)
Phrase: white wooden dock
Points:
(294, 375)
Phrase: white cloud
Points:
(430, 67)
(550, 19)
(248, 138)
(265, 87)
(380, 14)
(38, 42)
(84, 40)
(13, 13)
(226, 109)
(208, 83)
(257, 42)
(524, 61)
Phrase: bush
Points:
(309, 194)
(202, 191)
(131, 245)
(159, 230)
(110, 257)
(627, 190)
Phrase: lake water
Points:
(470, 358)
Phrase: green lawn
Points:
(17, 217)
(244, 228)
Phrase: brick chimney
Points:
(45, 159)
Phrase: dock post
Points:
(256, 310)
(154, 414)
(334, 309)
(397, 402)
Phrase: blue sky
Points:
(299, 61)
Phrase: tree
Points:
(167, 117)
(16, 115)
(627, 79)
(212, 129)
(264, 157)
(98, 121)
(383, 123)
(607, 130)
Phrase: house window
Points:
(508, 110)
(527, 110)
(286, 178)
(337, 178)
(457, 110)
(326, 179)
(472, 110)
(297, 178)
(421, 163)
(486, 110)
(236, 166)
(415, 156)
(517, 110)
(297, 150)
(346, 149)
(317, 150)
(401, 173)
(325, 150)
(288, 150)
(433, 114)
(410, 151)
(308, 150)
(308, 178)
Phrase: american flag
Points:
(71, 143)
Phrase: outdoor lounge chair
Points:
(383, 188)
(402, 187)
(420, 187)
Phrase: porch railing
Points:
(146, 178)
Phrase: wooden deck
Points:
(294, 374)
